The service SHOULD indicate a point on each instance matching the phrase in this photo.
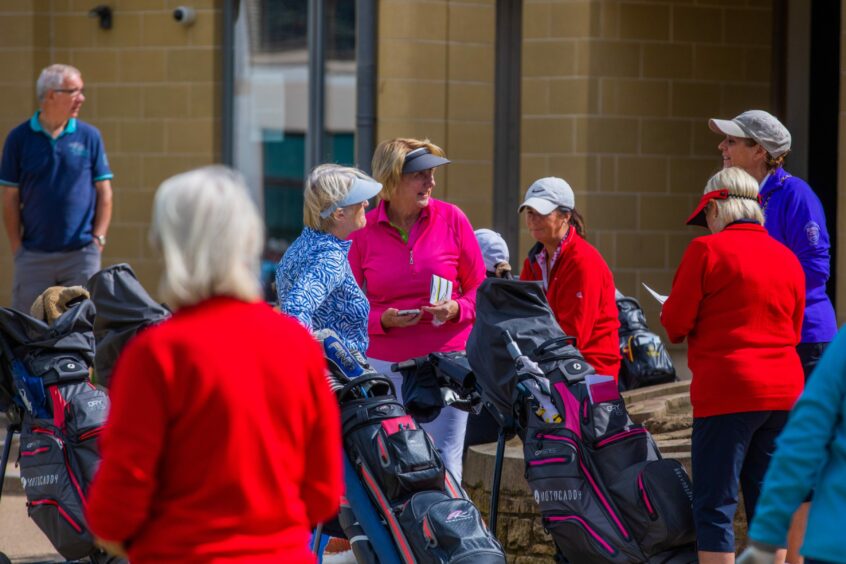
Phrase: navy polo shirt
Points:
(56, 180)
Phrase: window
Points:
(283, 25)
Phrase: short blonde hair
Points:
(326, 185)
(742, 202)
(210, 234)
(389, 158)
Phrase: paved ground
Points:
(20, 539)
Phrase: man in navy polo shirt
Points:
(57, 192)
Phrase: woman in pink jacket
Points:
(410, 237)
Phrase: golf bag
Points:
(44, 376)
(645, 361)
(604, 492)
(429, 516)
(123, 308)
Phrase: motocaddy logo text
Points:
(40, 481)
(545, 496)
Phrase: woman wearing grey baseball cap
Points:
(577, 281)
(758, 142)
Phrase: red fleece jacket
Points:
(739, 297)
(581, 295)
(223, 441)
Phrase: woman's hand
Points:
(391, 318)
(114, 548)
(443, 311)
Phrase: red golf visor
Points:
(698, 215)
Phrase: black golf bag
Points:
(645, 361)
(46, 392)
(123, 308)
(430, 517)
(604, 492)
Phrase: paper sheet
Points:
(661, 299)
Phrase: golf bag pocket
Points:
(602, 420)
(53, 493)
(85, 416)
(440, 528)
(655, 498)
(616, 453)
(403, 458)
(582, 541)
(564, 484)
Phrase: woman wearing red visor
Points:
(738, 298)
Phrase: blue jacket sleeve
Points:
(801, 449)
(312, 287)
(805, 232)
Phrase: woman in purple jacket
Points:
(793, 214)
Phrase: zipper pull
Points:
(411, 256)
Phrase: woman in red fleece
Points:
(223, 442)
(738, 297)
(577, 281)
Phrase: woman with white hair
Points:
(314, 281)
(757, 142)
(738, 298)
(223, 441)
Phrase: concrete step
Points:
(641, 394)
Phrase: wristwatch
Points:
(101, 239)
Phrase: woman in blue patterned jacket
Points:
(314, 281)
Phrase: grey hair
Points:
(742, 202)
(52, 78)
(326, 185)
(210, 233)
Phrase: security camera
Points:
(185, 15)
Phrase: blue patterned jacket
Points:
(315, 285)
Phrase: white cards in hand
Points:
(440, 290)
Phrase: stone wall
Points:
(616, 95)
(435, 80)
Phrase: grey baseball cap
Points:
(758, 125)
(494, 248)
(547, 194)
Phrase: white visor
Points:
(360, 190)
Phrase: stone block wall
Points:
(435, 80)
(152, 87)
(616, 97)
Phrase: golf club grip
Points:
(404, 365)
